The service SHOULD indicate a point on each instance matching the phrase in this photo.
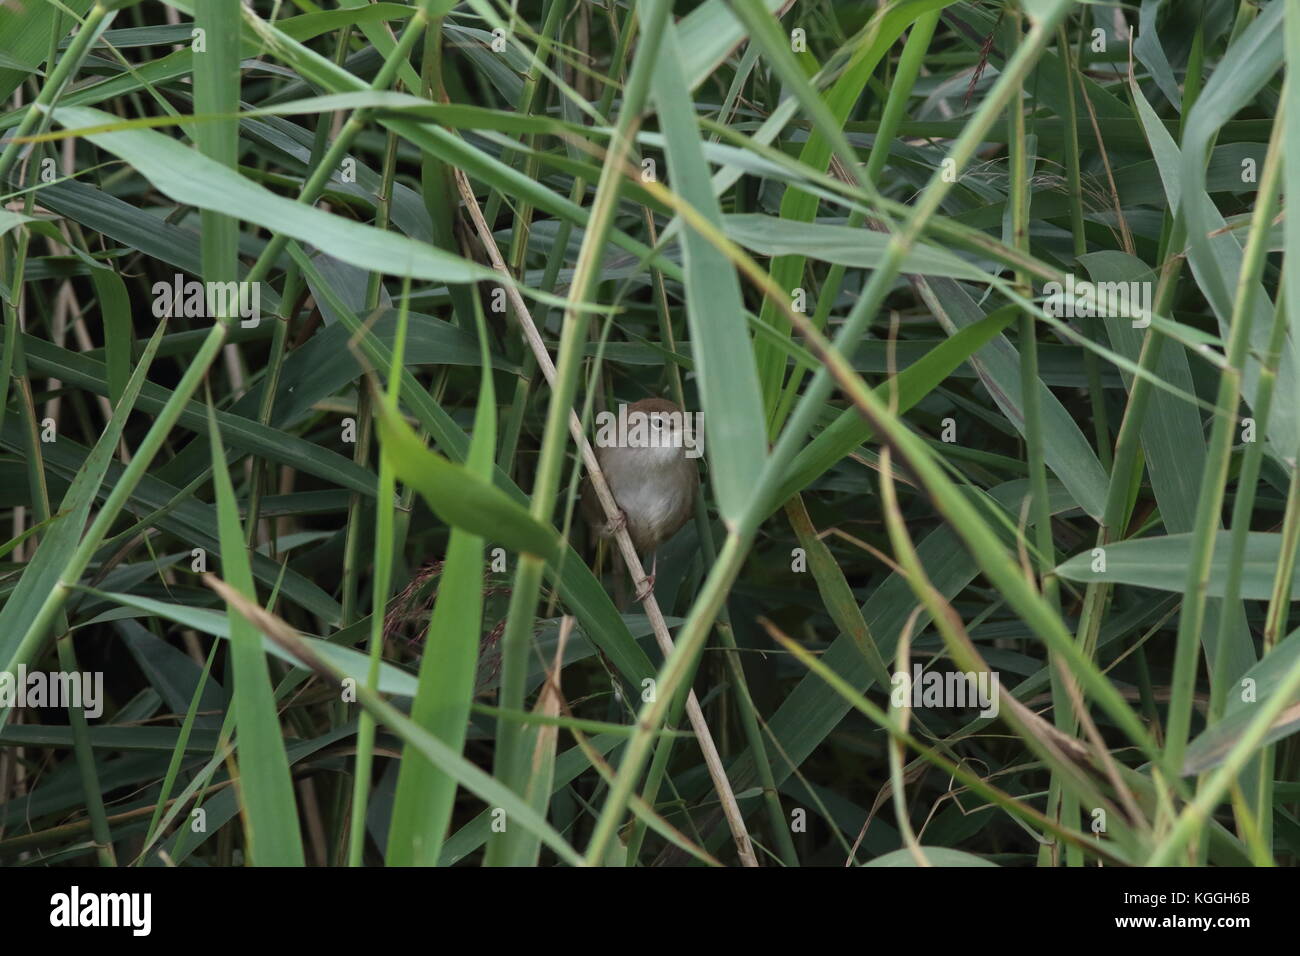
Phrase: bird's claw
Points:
(617, 524)
(646, 589)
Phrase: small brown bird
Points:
(647, 454)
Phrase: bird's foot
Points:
(648, 583)
(616, 525)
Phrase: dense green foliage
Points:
(299, 302)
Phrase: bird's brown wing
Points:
(685, 506)
(589, 506)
